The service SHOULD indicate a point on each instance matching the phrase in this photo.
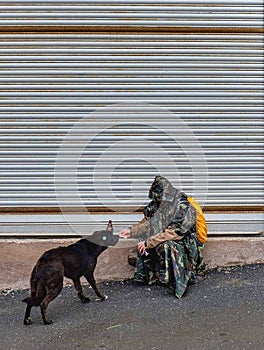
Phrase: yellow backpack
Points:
(201, 226)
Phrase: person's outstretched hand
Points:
(125, 233)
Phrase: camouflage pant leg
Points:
(193, 249)
(141, 271)
(147, 268)
(177, 270)
(186, 262)
(175, 263)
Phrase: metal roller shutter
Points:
(211, 84)
(210, 13)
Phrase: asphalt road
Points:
(225, 311)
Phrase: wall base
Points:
(18, 257)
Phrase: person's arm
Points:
(168, 234)
(139, 229)
(136, 230)
(183, 221)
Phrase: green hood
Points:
(162, 190)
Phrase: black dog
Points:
(74, 261)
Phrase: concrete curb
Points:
(18, 257)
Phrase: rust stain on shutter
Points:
(52, 29)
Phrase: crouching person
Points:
(173, 231)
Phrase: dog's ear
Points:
(109, 227)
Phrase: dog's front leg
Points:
(91, 280)
(78, 287)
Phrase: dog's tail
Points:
(35, 300)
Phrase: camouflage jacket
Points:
(172, 219)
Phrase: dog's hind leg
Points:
(44, 305)
(27, 319)
(78, 287)
(91, 280)
(34, 300)
(43, 308)
(52, 292)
